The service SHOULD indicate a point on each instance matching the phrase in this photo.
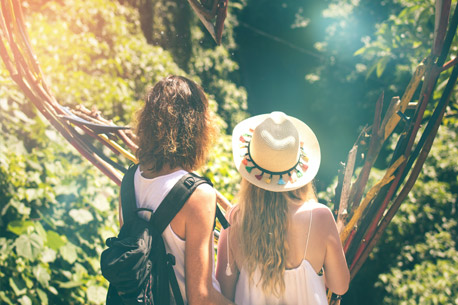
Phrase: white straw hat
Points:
(275, 152)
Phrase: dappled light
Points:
(376, 81)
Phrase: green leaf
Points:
(48, 256)
(29, 246)
(100, 202)
(42, 275)
(18, 286)
(381, 65)
(20, 207)
(5, 298)
(35, 165)
(53, 290)
(79, 271)
(32, 194)
(43, 296)
(6, 247)
(25, 300)
(68, 252)
(19, 227)
(360, 51)
(96, 294)
(70, 284)
(81, 216)
(40, 230)
(55, 241)
(370, 71)
(29, 283)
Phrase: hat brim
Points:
(310, 145)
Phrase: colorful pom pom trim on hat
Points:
(290, 175)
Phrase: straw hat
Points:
(275, 152)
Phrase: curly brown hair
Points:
(175, 126)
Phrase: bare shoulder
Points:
(322, 214)
(232, 213)
(201, 202)
(321, 209)
(204, 192)
(316, 207)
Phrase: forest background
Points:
(325, 62)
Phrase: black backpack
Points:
(136, 264)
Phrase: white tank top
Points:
(302, 286)
(149, 194)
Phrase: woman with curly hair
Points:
(175, 132)
(281, 238)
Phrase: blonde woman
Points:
(283, 246)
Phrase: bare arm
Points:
(227, 282)
(200, 211)
(337, 275)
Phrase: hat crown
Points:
(275, 143)
(275, 152)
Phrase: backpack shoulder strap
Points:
(128, 201)
(222, 219)
(175, 200)
(171, 204)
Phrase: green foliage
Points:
(425, 232)
(401, 42)
(420, 240)
(53, 223)
(56, 209)
(217, 68)
(220, 169)
(166, 23)
(214, 66)
(410, 32)
(97, 57)
(415, 260)
(433, 278)
(47, 257)
(175, 27)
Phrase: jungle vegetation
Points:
(56, 209)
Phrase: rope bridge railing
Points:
(362, 216)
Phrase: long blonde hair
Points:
(261, 228)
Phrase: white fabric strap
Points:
(228, 265)
(308, 234)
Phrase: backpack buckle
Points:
(189, 182)
(109, 241)
(171, 259)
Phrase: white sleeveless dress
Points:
(303, 286)
(149, 194)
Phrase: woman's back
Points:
(322, 248)
(304, 284)
(305, 235)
